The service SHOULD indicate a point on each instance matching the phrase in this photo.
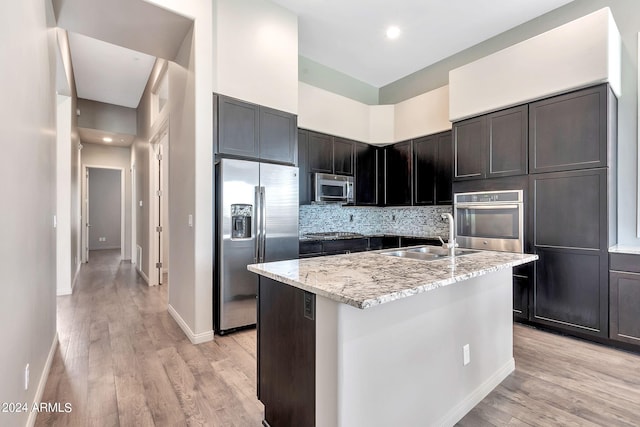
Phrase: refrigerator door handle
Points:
(263, 226)
(258, 224)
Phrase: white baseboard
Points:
(194, 338)
(141, 273)
(43, 381)
(64, 292)
(69, 290)
(458, 412)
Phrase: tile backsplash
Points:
(409, 221)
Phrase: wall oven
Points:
(333, 188)
(491, 220)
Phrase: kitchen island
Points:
(376, 340)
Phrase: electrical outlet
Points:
(466, 355)
(26, 377)
(351, 218)
(393, 217)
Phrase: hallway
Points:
(122, 359)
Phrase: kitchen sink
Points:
(427, 253)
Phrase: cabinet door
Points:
(238, 124)
(569, 131)
(367, 177)
(569, 226)
(624, 307)
(343, 154)
(469, 148)
(277, 136)
(507, 132)
(320, 153)
(521, 281)
(398, 182)
(286, 354)
(304, 192)
(425, 154)
(571, 290)
(444, 170)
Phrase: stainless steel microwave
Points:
(333, 188)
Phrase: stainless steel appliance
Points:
(492, 220)
(256, 221)
(333, 188)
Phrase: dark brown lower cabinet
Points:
(286, 354)
(521, 280)
(572, 227)
(624, 298)
(571, 290)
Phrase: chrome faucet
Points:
(451, 245)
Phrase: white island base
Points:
(401, 363)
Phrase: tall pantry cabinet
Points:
(572, 206)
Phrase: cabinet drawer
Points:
(344, 246)
(312, 247)
(624, 262)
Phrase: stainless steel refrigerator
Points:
(256, 221)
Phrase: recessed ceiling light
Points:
(393, 32)
(107, 139)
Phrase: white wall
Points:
(27, 247)
(421, 115)
(116, 157)
(324, 111)
(107, 117)
(580, 53)
(105, 208)
(68, 257)
(256, 44)
(64, 267)
(327, 112)
(183, 295)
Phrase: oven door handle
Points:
(487, 207)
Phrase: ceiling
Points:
(94, 136)
(108, 73)
(113, 52)
(349, 35)
(114, 45)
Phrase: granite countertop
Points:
(625, 249)
(364, 236)
(367, 279)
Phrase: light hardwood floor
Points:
(122, 360)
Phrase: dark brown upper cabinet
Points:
(507, 133)
(398, 174)
(343, 156)
(369, 175)
(468, 148)
(432, 165)
(572, 131)
(305, 191)
(492, 145)
(320, 152)
(238, 128)
(444, 169)
(252, 131)
(278, 136)
(329, 154)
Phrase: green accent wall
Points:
(326, 78)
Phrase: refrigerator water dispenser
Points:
(241, 221)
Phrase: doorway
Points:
(159, 223)
(103, 210)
